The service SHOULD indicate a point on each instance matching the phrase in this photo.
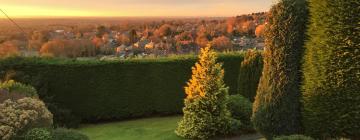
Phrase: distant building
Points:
(260, 46)
(150, 45)
(120, 49)
(59, 31)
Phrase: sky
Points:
(131, 8)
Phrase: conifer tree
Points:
(332, 70)
(250, 73)
(205, 111)
(276, 110)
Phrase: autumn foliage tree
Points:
(202, 38)
(123, 39)
(37, 39)
(259, 31)
(100, 31)
(205, 111)
(8, 49)
(230, 24)
(98, 42)
(247, 28)
(164, 30)
(202, 41)
(68, 48)
(222, 43)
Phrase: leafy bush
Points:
(241, 109)
(67, 134)
(205, 112)
(14, 90)
(250, 73)
(293, 137)
(332, 70)
(17, 117)
(112, 90)
(38, 134)
(17, 87)
(276, 110)
(236, 127)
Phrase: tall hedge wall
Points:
(108, 90)
(332, 70)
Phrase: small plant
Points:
(67, 134)
(15, 87)
(293, 137)
(38, 134)
(205, 112)
(241, 110)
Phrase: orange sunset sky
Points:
(118, 8)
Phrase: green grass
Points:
(144, 129)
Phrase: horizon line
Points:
(58, 17)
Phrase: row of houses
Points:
(144, 45)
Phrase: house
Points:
(59, 31)
(141, 43)
(120, 49)
(150, 45)
(123, 50)
(260, 45)
(112, 43)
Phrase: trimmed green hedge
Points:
(331, 86)
(111, 90)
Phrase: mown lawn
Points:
(142, 129)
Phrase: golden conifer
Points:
(205, 111)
